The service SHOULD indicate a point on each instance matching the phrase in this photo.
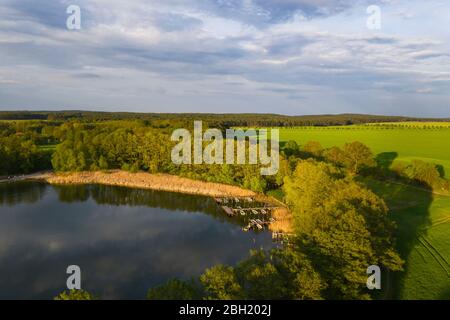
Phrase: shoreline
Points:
(141, 180)
(159, 182)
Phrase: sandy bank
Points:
(162, 182)
(22, 177)
(283, 221)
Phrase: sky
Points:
(290, 57)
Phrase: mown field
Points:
(415, 142)
(423, 219)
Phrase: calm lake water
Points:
(124, 240)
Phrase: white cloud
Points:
(298, 57)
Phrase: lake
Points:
(124, 240)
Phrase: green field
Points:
(430, 145)
(423, 219)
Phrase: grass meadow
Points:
(423, 218)
(423, 221)
(427, 144)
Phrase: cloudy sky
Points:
(266, 56)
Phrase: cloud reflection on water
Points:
(122, 249)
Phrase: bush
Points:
(75, 295)
(422, 172)
(354, 156)
(174, 289)
(313, 148)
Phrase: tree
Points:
(313, 148)
(279, 274)
(423, 172)
(308, 187)
(174, 289)
(19, 154)
(260, 278)
(155, 154)
(75, 295)
(302, 281)
(358, 156)
(102, 163)
(255, 183)
(335, 155)
(291, 148)
(220, 283)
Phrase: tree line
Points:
(143, 148)
(215, 120)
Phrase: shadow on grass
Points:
(445, 295)
(409, 208)
(441, 170)
(384, 160)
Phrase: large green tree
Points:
(358, 156)
(343, 227)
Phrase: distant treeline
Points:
(217, 120)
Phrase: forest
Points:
(215, 120)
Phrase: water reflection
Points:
(21, 192)
(124, 240)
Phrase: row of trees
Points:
(216, 120)
(354, 156)
(280, 274)
(357, 158)
(102, 149)
(144, 148)
(127, 144)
